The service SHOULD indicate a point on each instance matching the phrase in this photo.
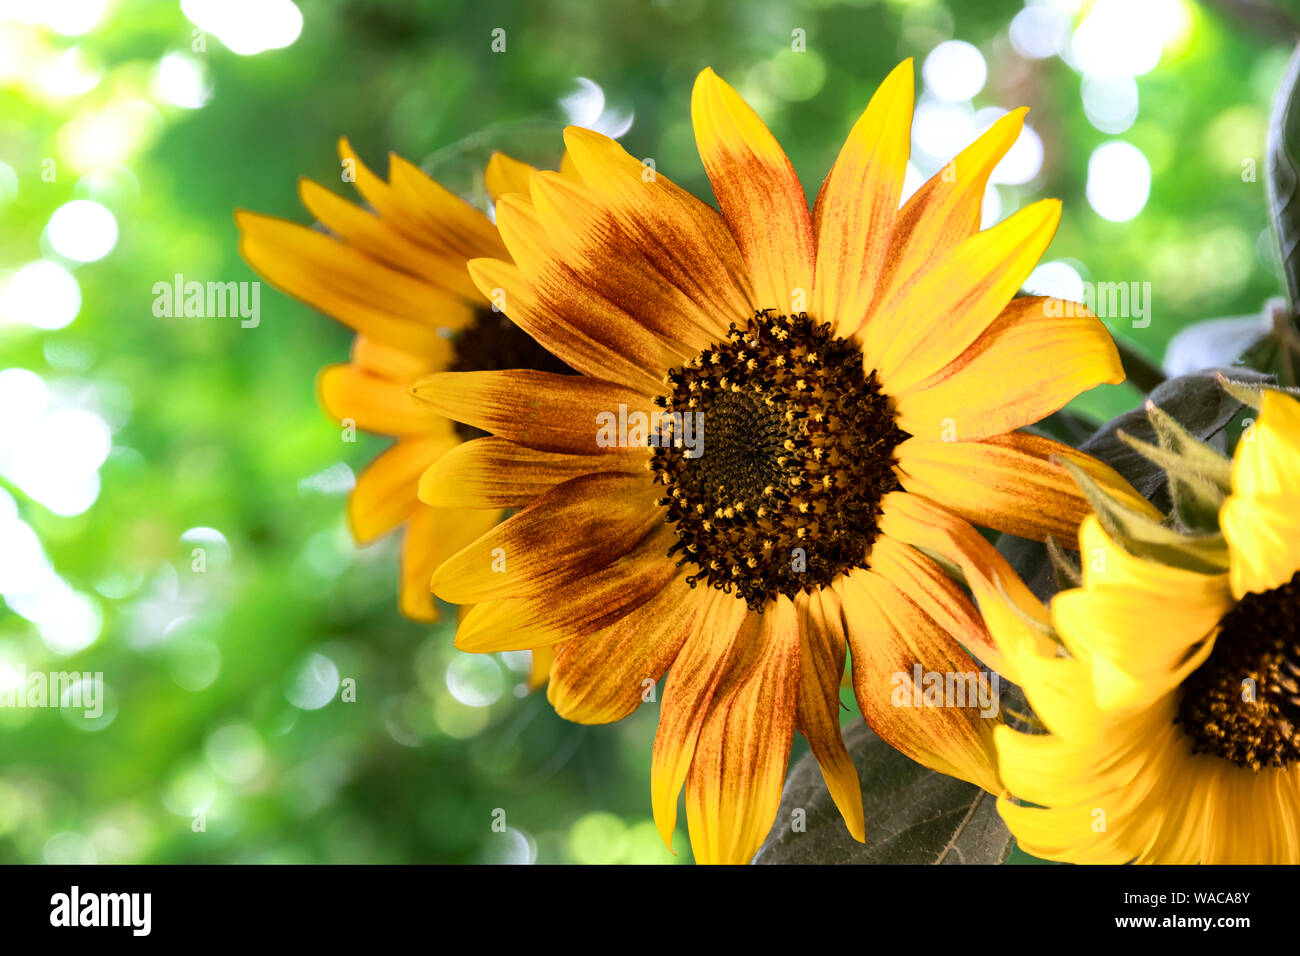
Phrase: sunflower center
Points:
(1243, 702)
(775, 451)
(491, 343)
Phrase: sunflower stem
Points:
(1138, 369)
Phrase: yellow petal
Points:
(1266, 462)
(373, 403)
(431, 535)
(385, 491)
(505, 174)
(959, 296)
(383, 303)
(940, 214)
(1264, 534)
(858, 204)
(381, 241)
(1035, 357)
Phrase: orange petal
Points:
(575, 530)
(921, 523)
(934, 592)
(890, 638)
(733, 790)
(604, 677)
(1009, 483)
(821, 671)
(495, 473)
(702, 260)
(691, 684)
(758, 192)
(542, 410)
(606, 262)
(573, 605)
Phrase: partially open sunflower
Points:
(395, 273)
(1169, 681)
(860, 370)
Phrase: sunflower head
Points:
(829, 398)
(799, 458)
(1168, 679)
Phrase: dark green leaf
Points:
(1284, 177)
(914, 815)
(1196, 401)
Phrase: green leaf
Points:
(914, 815)
(1284, 177)
(1197, 402)
(1197, 496)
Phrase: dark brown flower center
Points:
(1243, 702)
(780, 448)
(492, 343)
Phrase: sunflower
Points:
(782, 418)
(395, 273)
(1169, 681)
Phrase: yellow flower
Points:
(860, 371)
(395, 273)
(1174, 721)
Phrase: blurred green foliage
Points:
(216, 426)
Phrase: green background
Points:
(217, 427)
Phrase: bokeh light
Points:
(82, 230)
(955, 70)
(1119, 181)
(182, 81)
(247, 27)
(41, 294)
